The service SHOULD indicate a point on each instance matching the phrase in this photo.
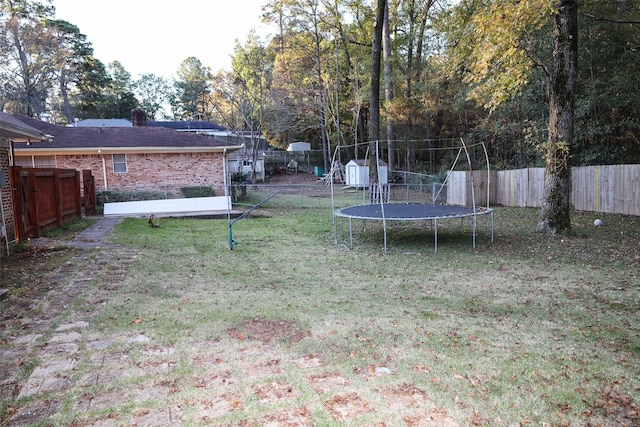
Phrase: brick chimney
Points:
(138, 117)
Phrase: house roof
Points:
(111, 123)
(137, 139)
(187, 125)
(16, 130)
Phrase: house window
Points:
(247, 162)
(119, 163)
(35, 161)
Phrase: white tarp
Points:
(170, 207)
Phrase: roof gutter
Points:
(35, 151)
(17, 134)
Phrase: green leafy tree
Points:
(28, 53)
(252, 68)
(303, 41)
(89, 93)
(192, 90)
(73, 52)
(154, 93)
(118, 98)
(495, 46)
(607, 122)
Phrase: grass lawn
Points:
(290, 328)
(527, 330)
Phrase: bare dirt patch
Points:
(309, 361)
(323, 383)
(267, 330)
(347, 407)
(614, 404)
(403, 396)
(299, 417)
(214, 380)
(437, 418)
(264, 369)
(210, 409)
(274, 391)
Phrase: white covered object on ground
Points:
(170, 207)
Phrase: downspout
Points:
(224, 171)
(104, 170)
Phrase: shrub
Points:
(239, 178)
(109, 196)
(198, 191)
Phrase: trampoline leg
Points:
(491, 226)
(350, 234)
(435, 230)
(384, 226)
(473, 228)
(486, 226)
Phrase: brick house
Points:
(137, 157)
(11, 131)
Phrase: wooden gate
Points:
(89, 192)
(43, 197)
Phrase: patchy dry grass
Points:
(530, 329)
(291, 328)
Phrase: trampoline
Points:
(413, 212)
(382, 209)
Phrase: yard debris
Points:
(153, 222)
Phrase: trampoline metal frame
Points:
(462, 212)
(416, 215)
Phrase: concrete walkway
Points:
(52, 336)
(93, 237)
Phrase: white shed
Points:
(299, 146)
(357, 172)
(242, 162)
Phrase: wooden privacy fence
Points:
(43, 197)
(459, 188)
(608, 189)
(521, 187)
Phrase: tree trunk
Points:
(326, 148)
(374, 107)
(388, 88)
(556, 203)
(65, 97)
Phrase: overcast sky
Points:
(155, 36)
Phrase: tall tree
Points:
(607, 127)
(556, 202)
(154, 94)
(192, 87)
(374, 106)
(29, 56)
(388, 86)
(496, 46)
(88, 97)
(118, 100)
(252, 79)
(304, 34)
(73, 51)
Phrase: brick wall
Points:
(184, 169)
